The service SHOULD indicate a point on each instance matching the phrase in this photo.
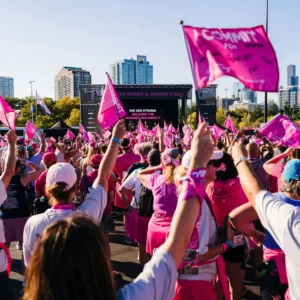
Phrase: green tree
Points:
(191, 109)
(192, 120)
(273, 109)
(257, 113)
(287, 109)
(245, 123)
(220, 116)
(45, 121)
(74, 118)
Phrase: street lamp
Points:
(31, 98)
(226, 106)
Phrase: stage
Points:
(153, 104)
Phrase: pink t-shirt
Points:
(165, 195)
(225, 196)
(276, 171)
(124, 161)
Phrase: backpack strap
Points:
(86, 183)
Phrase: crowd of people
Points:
(198, 211)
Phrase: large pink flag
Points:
(30, 130)
(111, 108)
(230, 125)
(243, 53)
(282, 130)
(7, 114)
(70, 135)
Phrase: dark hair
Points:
(180, 149)
(154, 157)
(296, 153)
(220, 145)
(68, 263)
(230, 171)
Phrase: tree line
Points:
(65, 109)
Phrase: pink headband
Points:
(167, 160)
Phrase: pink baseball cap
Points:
(61, 172)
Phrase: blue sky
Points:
(39, 37)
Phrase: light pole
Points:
(226, 107)
(266, 94)
(31, 98)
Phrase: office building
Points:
(292, 79)
(288, 95)
(243, 93)
(132, 71)
(6, 87)
(68, 80)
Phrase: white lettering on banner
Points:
(119, 107)
(245, 36)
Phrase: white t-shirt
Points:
(282, 220)
(207, 237)
(133, 182)
(93, 206)
(157, 281)
(3, 258)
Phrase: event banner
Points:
(243, 53)
(152, 114)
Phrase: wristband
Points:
(116, 140)
(194, 186)
(225, 247)
(230, 245)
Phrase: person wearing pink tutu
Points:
(138, 232)
(124, 161)
(165, 197)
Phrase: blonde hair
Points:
(179, 172)
(91, 152)
(169, 174)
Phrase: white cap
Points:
(61, 172)
(188, 155)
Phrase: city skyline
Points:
(36, 49)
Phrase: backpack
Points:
(40, 205)
(145, 202)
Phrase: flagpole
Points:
(113, 94)
(36, 105)
(31, 102)
(181, 22)
(266, 94)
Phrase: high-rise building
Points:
(288, 95)
(68, 80)
(6, 87)
(292, 79)
(132, 71)
(239, 91)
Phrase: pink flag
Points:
(30, 130)
(106, 134)
(168, 142)
(187, 139)
(85, 136)
(141, 128)
(230, 125)
(7, 114)
(243, 53)
(282, 129)
(111, 108)
(218, 132)
(91, 136)
(70, 135)
(81, 129)
(155, 130)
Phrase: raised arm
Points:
(109, 160)
(10, 163)
(161, 144)
(72, 153)
(57, 146)
(249, 181)
(43, 143)
(187, 210)
(31, 176)
(143, 175)
(275, 160)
